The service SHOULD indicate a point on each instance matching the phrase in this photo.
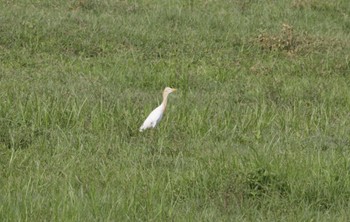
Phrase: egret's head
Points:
(168, 90)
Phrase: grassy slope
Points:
(259, 129)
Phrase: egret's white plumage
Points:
(156, 115)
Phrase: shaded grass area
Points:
(259, 128)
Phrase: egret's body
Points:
(156, 115)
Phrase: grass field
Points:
(259, 129)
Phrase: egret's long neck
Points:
(165, 100)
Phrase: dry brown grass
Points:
(286, 40)
(291, 42)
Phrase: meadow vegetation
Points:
(259, 129)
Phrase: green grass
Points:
(258, 130)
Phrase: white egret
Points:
(156, 115)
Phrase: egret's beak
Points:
(174, 90)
